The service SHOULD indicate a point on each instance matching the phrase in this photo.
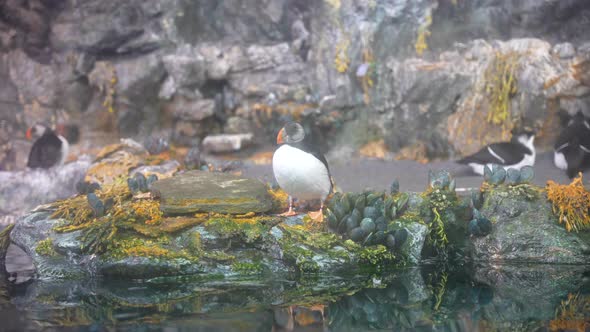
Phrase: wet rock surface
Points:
(198, 191)
(526, 230)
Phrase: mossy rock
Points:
(524, 229)
(198, 191)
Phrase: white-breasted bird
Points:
(300, 169)
(517, 153)
(49, 149)
(571, 151)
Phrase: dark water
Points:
(430, 298)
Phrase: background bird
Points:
(517, 153)
(300, 169)
(49, 148)
(572, 148)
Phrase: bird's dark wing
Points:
(313, 150)
(45, 152)
(501, 154)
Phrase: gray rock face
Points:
(297, 52)
(526, 231)
(198, 191)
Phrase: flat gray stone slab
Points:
(198, 191)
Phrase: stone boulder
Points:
(198, 191)
(525, 230)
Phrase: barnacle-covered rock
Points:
(480, 226)
(440, 179)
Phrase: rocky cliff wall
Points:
(443, 76)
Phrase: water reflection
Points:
(429, 298)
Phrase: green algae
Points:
(248, 268)
(45, 248)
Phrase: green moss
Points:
(249, 229)
(248, 268)
(218, 256)
(45, 248)
(377, 256)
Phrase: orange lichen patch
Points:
(580, 71)
(572, 314)
(262, 158)
(551, 82)
(115, 166)
(263, 112)
(571, 203)
(432, 66)
(416, 151)
(108, 150)
(148, 210)
(374, 149)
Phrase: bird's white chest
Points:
(65, 149)
(300, 174)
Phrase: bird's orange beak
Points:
(29, 134)
(280, 139)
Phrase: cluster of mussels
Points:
(364, 217)
(498, 175)
(137, 183)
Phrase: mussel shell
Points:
(334, 201)
(345, 203)
(477, 214)
(498, 176)
(387, 205)
(141, 182)
(370, 212)
(368, 225)
(331, 219)
(357, 234)
(402, 202)
(473, 227)
(96, 205)
(487, 173)
(342, 224)
(485, 226)
(151, 179)
(512, 175)
(133, 185)
(476, 199)
(390, 241)
(356, 215)
(360, 202)
(374, 238)
(401, 235)
(373, 197)
(394, 188)
(527, 173)
(351, 224)
(339, 212)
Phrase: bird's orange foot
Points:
(289, 213)
(317, 216)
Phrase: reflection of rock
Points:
(525, 230)
(524, 293)
(198, 191)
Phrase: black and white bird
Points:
(300, 169)
(517, 153)
(572, 149)
(49, 148)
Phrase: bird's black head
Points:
(36, 131)
(291, 133)
(524, 135)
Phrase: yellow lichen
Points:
(45, 248)
(280, 200)
(571, 203)
(416, 151)
(341, 59)
(423, 33)
(366, 79)
(148, 210)
(501, 86)
(375, 149)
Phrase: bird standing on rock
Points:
(49, 148)
(300, 169)
(572, 149)
(517, 153)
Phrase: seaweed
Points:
(501, 86)
(571, 204)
